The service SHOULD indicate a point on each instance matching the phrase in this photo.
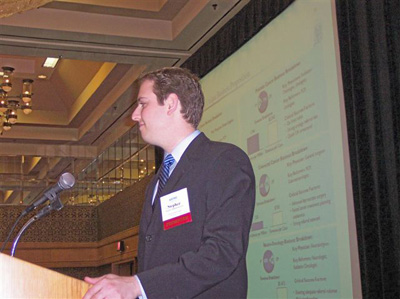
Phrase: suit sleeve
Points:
(230, 203)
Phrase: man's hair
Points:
(184, 84)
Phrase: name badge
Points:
(175, 209)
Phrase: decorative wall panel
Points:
(71, 224)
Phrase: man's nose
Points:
(136, 114)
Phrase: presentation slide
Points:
(279, 98)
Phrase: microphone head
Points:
(66, 181)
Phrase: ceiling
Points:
(85, 103)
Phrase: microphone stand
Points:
(55, 204)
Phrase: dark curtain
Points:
(369, 35)
(250, 20)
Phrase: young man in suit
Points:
(194, 232)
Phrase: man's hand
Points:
(113, 287)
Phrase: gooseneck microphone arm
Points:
(56, 204)
(22, 230)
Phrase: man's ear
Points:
(172, 103)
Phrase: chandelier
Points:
(9, 104)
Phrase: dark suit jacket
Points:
(207, 257)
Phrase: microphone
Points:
(55, 204)
(66, 181)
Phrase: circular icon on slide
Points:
(264, 185)
(262, 101)
(268, 261)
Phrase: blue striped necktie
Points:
(163, 175)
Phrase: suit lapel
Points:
(148, 210)
(176, 180)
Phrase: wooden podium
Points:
(20, 279)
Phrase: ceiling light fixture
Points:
(27, 90)
(50, 62)
(6, 84)
(9, 104)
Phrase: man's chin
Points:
(145, 137)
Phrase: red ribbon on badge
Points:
(182, 219)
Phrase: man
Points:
(193, 233)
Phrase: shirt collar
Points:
(178, 151)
